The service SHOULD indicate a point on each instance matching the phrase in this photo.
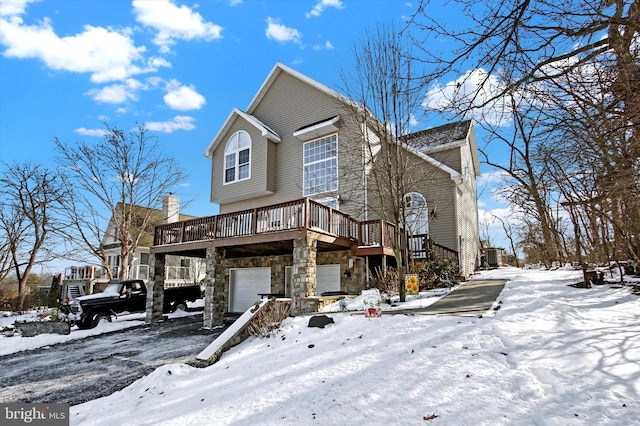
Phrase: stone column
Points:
(155, 288)
(215, 301)
(303, 281)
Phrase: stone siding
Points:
(155, 289)
(303, 262)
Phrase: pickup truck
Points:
(124, 296)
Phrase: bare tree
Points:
(123, 177)
(30, 195)
(528, 185)
(383, 98)
(509, 232)
(581, 57)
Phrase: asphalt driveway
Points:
(86, 369)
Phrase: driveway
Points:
(90, 368)
(472, 298)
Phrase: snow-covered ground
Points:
(551, 355)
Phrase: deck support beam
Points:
(155, 289)
(216, 290)
(303, 281)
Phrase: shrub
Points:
(269, 320)
(437, 273)
(386, 281)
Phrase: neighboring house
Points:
(296, 209)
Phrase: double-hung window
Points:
(321, 165)
(237, 157)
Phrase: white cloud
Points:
(174, 22)
(156, 62)
(14, 7)
(183, 98)
(90, 132)
(107, 54)
(117, 93)
(235, 2)
(322, 5)
(327, 45)
(491, 178)
(473, 93)
(179, 122)
(282, 33)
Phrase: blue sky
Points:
(179, 67)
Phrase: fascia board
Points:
(265, 131)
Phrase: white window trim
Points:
(236, 166)
(337, 168)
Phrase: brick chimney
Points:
(170, 208)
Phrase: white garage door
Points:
(327, 278)
(245, 285)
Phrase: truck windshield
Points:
(113, 288)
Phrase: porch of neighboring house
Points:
(299, 249)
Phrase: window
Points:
(237, 157)
(321, 166)
(416, 213)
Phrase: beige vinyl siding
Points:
(450, 158)
(289, 105)
(272, 166)
(439, 192)
(258, 184)
(468, 216)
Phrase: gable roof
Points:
(275, 71)
(421, 143)
(442, 138)
(235, 113)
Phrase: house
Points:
(298, 217)
(178, 270)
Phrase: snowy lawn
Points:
(551, 355)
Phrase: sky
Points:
(546, 353)
(69, 66)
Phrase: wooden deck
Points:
(283, 222)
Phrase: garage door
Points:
(327, 278)
(245, 285)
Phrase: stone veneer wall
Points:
(214, 307)
(303, 277)
(155, 289)
(354, 280)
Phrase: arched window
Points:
(416, 213)
(237, 157)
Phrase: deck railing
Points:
(420, 247)
(299, 214)
(303, 213)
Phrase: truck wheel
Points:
(99, 317)
(181, 306)
(82, 325)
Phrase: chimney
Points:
(170, 208)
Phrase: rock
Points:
(320, 321)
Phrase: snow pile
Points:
(551, 354)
